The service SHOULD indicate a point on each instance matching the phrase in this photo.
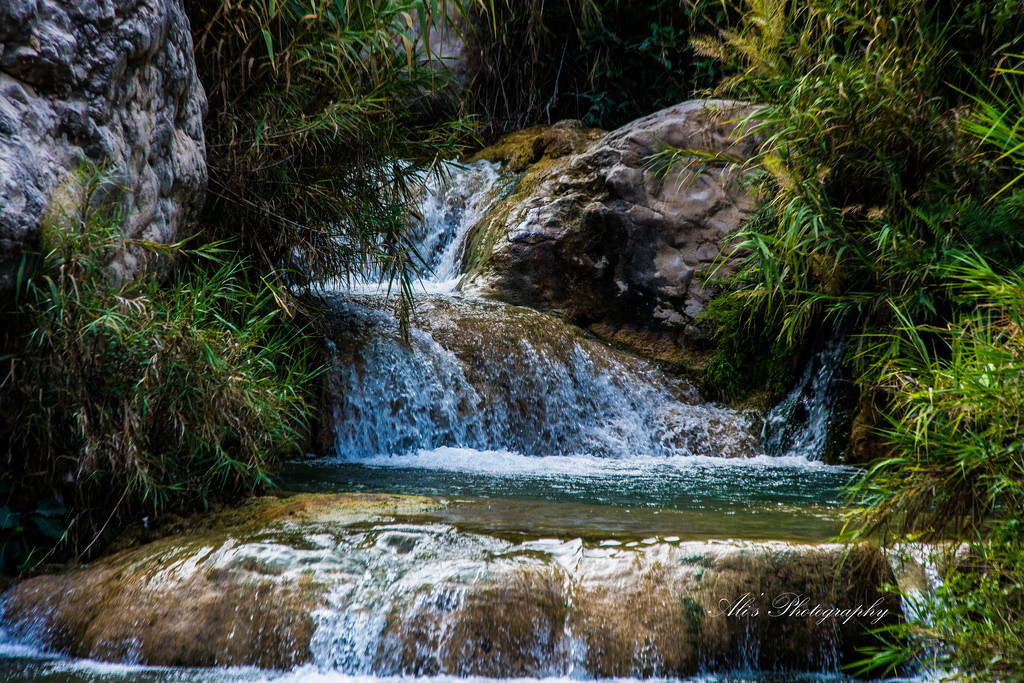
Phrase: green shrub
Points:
(891, 162)
(747, 357)
(956, 399)
(130, 398)
(955, 473)
(869, 175)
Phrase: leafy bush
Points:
(956, 473)
(870, 177)
(747, 357)
(891, 164)
(131, 398)
(957, 394)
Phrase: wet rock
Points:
(238, 588)
(595, 230)
(513, 627)
(110, 82)
(478, 374)
(366, 584)
(669, 611)
(865, 444)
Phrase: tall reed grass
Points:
(131, 398)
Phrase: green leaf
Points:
(8, 519)
(49, 528)
(270, 45)
(50, 507)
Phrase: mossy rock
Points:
(518, 151)
(216, 593)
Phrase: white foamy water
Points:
(449, 205)
(799, 425)
(508, 463)
(488, 376)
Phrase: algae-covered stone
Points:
(238, 588)
(367, 584)
(598, 231)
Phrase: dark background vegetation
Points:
(604, 62)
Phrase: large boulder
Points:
(112, 82)
(595, 229)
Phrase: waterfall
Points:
(448, 206)
(489, 376)
(800, 424)
(510, 498)
(419, 598)
(494, 377)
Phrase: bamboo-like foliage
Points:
(323, 120)
(890, 167)
(128, 399)
(955, 469)
(957, 461)
(869, 176)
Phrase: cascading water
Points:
(415, 597)
(799, 425)
(482, 375)
(490, 376)
(577, 495)
(449, 205)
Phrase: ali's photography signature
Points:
(797, 606)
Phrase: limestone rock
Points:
(109, 81)
(595, 230)
(236, 589)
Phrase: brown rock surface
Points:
(595, 230)
(371, 583)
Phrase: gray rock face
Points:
(616, 243)
(109, 81)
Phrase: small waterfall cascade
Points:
(449, 206)
(799, 425)
(487, 376)
(530, 503)
(415, 598)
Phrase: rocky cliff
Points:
(111, 82)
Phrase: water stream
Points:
(585, 508)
